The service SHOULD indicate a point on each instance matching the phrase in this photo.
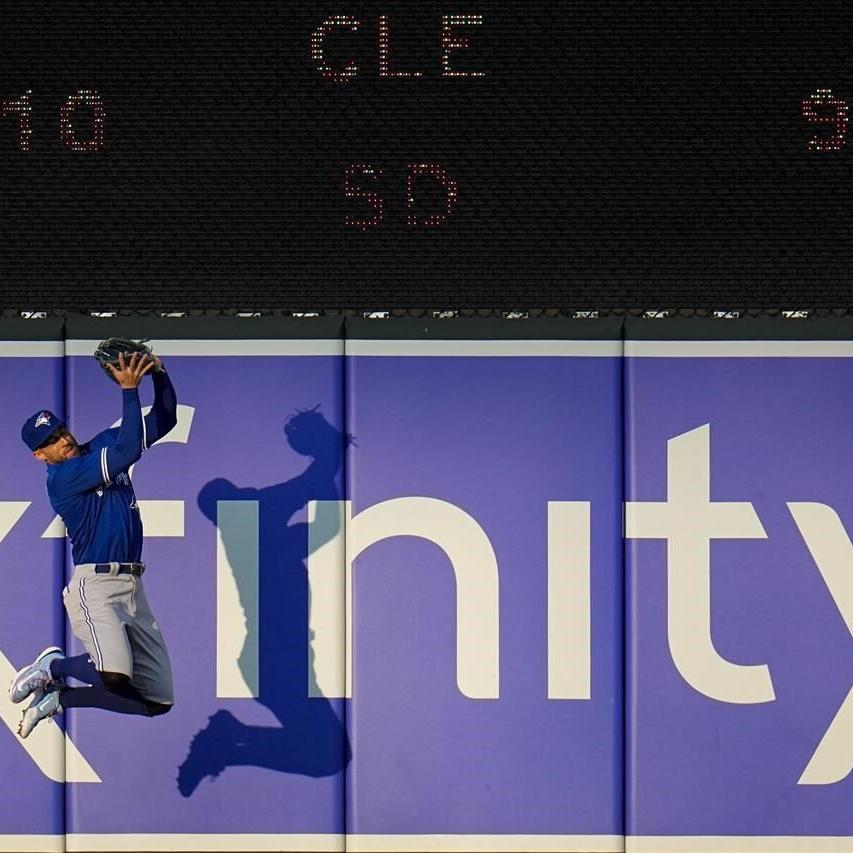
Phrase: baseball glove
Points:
(108, 352)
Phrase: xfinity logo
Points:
(688, 520)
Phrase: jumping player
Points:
(126, 664)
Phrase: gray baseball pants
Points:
(110, 615)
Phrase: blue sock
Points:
(79, 667)
(129, 701)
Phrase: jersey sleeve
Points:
(128, 442)
(163, 415)
(81, 474)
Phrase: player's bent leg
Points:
(117, 694)
(94, 604)
(80, 667)
(152, 670)
(115, 681)
(126, 701)
(130, 665)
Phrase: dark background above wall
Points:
(613, 155)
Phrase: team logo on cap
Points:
(43, 420)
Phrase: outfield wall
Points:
(406, 610)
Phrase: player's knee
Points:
(115, 680)
(157, 709)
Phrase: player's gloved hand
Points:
(109, 350)
(129, 374)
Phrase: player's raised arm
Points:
(164, 413)
(128, 446)
(82, 473)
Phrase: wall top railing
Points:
(659, 313)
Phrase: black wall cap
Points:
(84, 327)
(19, 329)
(777, 329)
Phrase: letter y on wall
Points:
(832, 551)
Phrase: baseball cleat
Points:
(34, 677)
(42, 707)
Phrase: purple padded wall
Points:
(739, 586)
(247, 759)
(480, 455)
(33, 771)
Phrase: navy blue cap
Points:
(38, 429)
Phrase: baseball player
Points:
(126, 664)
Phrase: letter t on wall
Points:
(689, 520)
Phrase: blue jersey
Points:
(92, 492)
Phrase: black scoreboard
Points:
(390, 154)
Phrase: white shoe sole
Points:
(23, 669)
(39, 697)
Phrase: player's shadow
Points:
(311, 741)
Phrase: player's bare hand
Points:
(129, 374)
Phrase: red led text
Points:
(360, 182)
(826, 109)
(81, 120)
(337, 26)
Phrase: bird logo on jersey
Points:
(43, 420)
